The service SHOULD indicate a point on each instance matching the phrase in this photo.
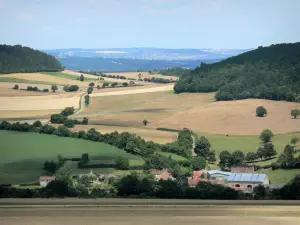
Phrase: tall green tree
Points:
(202, 147)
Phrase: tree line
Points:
(267, 72)
(144, 185)
(21, 59)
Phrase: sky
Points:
(218, 24)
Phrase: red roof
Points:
(47, 178)
(165, 176)
(198, 173)
(195, 181)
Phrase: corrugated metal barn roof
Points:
(247, 177)
(212, 172)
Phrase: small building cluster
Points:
(240, 178)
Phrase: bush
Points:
(37, 123)
(261, 111)
(71, 88)
(45, 90)
(85, 121)
(16, 87)
(70, 123)
(122, 163)
(295, 113)
(68, 111)
(58, 118)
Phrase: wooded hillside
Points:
(19, 59)
(267, 72)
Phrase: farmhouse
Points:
(46, 180)
(247, 181)
(162, 175)
(199, 176)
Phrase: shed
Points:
(44, 180)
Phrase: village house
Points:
(162, 175)
(44, 181)
(199, 176)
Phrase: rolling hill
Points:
(20, 59)
(267, 72)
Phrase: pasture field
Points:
(246, 143)
(152, 214)
(23, 154)
(281, 176)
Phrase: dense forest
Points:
(267, 72)
(19, 59)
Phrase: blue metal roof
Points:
(247, 177)
(214, 172)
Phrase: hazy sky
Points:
(47, 24)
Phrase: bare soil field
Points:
(153, 215)
(46, 78)
(198, 112)
(157, 136)
(49, 102)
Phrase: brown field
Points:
(47, 78)
(37, 103)
(198, 112)
(157, 136)
(151, 215)
(39, 114)
(144, 75)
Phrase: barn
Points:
(247, 181)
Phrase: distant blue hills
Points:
(132, 59)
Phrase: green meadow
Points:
(23, 154)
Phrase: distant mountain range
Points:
(133, 59)
(148, 53)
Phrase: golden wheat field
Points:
(198, 112)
